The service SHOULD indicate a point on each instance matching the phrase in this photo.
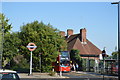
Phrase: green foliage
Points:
(84, 64)
(92, 64)
(48, 41)
(114, 55)
(4, 24)
(11, 43)
(51, 73)
(19, 63)
(75, 57)
(4, 32)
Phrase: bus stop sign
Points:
(31, 46)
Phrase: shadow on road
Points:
(72, 79)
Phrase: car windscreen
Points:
(9, 76)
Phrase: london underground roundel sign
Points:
(31, 46)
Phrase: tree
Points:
(115, 55)
(4, 31)
(75, 57)
(11, 43)
(4, 24)
(48, 41)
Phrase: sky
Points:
(59, 0)
(99, 18)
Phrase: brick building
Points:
(79, 41)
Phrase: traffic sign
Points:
(31, 46)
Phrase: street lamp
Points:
(103, 55)
(118, 3)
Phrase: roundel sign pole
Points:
(31, 47)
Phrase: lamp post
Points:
(118, 3)
(103, 55)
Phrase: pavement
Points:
(97, 74)
(39, 75)
(78, 74)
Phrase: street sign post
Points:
(31, 47)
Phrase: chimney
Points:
(69, 32)
(83, 35)
(62, 33)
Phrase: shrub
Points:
(51, 73)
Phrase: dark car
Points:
(8, 75)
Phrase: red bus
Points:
(62, 62)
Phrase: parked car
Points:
(8, 75)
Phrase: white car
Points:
(8, 75)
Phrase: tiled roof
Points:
(74, 42)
